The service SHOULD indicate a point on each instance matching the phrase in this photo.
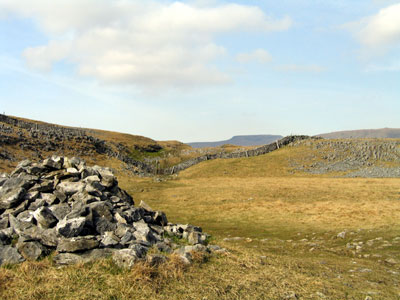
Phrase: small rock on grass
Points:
(290, 295)
(391, 261)
(156, 259)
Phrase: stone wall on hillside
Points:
(248, 153)
(42, 127)
(38, 137)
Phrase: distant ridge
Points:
(240, 140)
(363, 133)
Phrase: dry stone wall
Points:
(249, 153)
(37, 137)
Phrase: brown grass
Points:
(288, 222)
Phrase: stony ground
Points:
(374, 158)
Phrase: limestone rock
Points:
(70, 188)
(87, 256)
(81, 212)
(4, 222)
(49, 237)
(31, 250)
(194, 238)
(20, 226)
(127, 238)
(125, 258)
(49, 198)
(76, 244)
(60, 210)
(55, 162)
(156, 259)
(9, 255)
(144, 205)
(67, 258)
(11, 197)
(143, 232)
(109, 239)
(102, 225)
(160, 218)
(185, 259)
(45, 217)
(60, 195)
(6, 236)
(72, 227)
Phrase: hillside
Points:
(240, 140)
(293, 225)
(295, 229)
(391, 133)
(369, 158)
(23, 138)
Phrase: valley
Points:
(305, 221)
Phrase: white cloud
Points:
(301, 68)
(144, 43)
(258, 56)
(379, 31)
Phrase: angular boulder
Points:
(31, 250)
(77, 244)
(9, 255)
(70, 188)
(45, 217)
(72, 227)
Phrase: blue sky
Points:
(202, 70)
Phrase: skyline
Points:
(202, 70)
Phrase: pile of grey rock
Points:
(369, 158)
(62, 205)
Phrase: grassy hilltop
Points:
(291, 234)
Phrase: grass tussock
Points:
(97, 280)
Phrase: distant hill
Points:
(240, 140)
(363, 133)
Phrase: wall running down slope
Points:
(33, 137)
(249, 153)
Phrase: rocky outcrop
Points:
(377, 158)
(60, 204)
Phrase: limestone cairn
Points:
(62, 205)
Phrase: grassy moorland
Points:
(279, 226)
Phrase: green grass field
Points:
(286, 247)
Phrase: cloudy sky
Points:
(202, 70)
